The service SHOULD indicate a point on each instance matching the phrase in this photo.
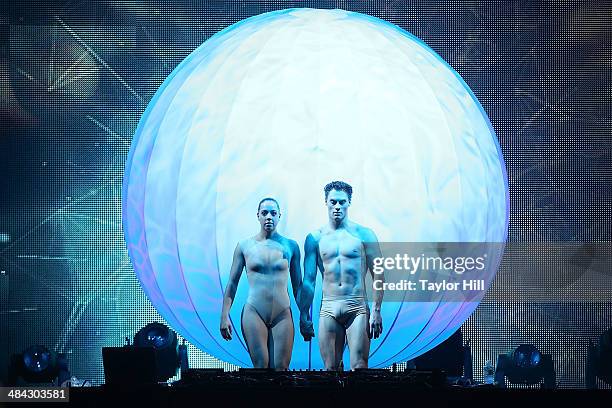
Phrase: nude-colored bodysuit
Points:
(267, 266)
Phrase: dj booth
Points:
(380, 387)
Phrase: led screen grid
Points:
(76, 76)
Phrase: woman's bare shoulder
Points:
(246, 244)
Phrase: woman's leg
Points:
(256, 336)
(282, 340)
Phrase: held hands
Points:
(375, 327)
(306, 327)
(226, 328)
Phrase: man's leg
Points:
(358, 341)
(331, 342)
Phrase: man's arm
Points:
(308, 287)
(372, 250)
(295, 271)
(238, 264)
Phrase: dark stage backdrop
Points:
(76, 75)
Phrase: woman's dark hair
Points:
(268, 199)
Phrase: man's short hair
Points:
(268, 199)
(339, 186)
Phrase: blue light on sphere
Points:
(279, 105)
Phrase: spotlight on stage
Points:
(155, 356)
(599, 361)
(525, 365)
(167, 350)
(38, 365)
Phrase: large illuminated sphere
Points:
(279, 105)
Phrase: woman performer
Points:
(267, 322)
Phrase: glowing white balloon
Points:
(279, 105)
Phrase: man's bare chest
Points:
(340, 245)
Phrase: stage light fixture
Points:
(155, 356)
(599, 361)
(38, 364)
(526, 356)
(165, 342)
(156, 335)
(525, 365)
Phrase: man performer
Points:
(343, 251)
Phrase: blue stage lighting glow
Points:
(279, 105)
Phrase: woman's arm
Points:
(238, 264)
